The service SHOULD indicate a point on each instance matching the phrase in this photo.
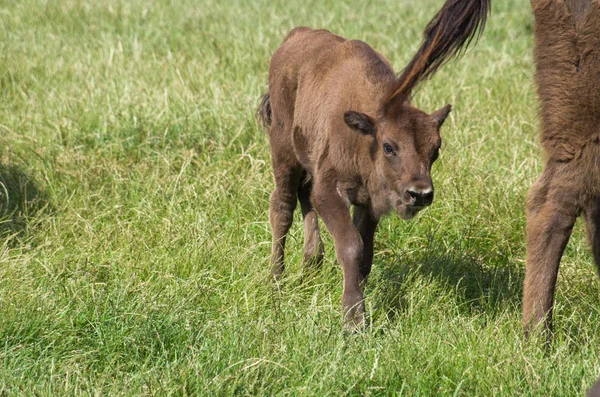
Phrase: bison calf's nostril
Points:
(420, 197)
(427, 197)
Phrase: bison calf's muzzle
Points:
(419, 195)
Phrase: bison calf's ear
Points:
(360, 122)
(439, 116)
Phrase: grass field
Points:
(134, 238)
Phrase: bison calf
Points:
(342, 132)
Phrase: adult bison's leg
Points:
(366, 225)
(313, 245)
(552, 208)
(335, 213)
(592, 223)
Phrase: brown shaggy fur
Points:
(567, 57)
(342, 133)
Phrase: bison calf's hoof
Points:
(354, 313)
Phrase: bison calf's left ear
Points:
(439, 116)
(360, 122)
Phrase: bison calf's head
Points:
(405, 143)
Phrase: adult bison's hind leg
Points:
(552, 208)
(592, 223)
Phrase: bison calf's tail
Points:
(263, 112)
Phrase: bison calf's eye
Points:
(387, 149)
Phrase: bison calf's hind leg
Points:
(281, 214)
(551, 213)
(313, 245)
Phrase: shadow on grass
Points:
(21, 200)
(479, 283)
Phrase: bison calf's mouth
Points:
(408, 212)
(343, 133)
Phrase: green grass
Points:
(134, 238)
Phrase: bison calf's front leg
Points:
(365, 224)
(349, 251)
(335, 213)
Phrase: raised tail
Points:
(263, 112)
(447, 35)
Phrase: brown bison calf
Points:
(567, 57)
(342, 132)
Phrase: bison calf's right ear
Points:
(360, 122)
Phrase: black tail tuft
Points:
(263, 112)
(447, 35)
